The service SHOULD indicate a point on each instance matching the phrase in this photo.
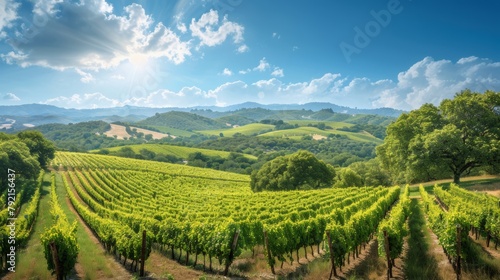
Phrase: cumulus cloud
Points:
(10, 97)
(87, 35)
(243, 48)
(211, 33)
(263, 65)
(227, 72)
(278, 72)
(86, 77)
(431, 81)
(427, 81)
(84, 101)
(186, 97)
(181, 27)
(8, 13)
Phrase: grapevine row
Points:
(392, 230)
(444, 224)
(59, 241)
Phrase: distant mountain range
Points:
(37, 114)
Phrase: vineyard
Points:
(211, 218)
(213, 215)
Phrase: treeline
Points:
(375, 130)
(336, 150)
(26, 153)
(82, 137)
(279, 124)
(235, 162)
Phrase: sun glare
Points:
(139, 61)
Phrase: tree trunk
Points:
(204, 259)
(456, 178)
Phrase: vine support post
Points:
(231, 253)
(143, 253)
(387, 255)
(459, 243)
(332, 259)
(55, 259)
(269, 257)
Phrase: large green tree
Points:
(432, 142)
(16, 156)
(40, 147)
(301, 170)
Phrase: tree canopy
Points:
(432, 142)
(301, 170)
(25, 153)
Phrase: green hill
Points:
(235, 120)
(297, 133)
(183, 120)
(249, 129)
(178, 151)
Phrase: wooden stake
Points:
(143, 253)
(231, 253)
(266, 241)
(459, 245)
(332, 259)
(55, 259)
(388, 255)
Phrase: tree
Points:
(348, 178)
(435, 142)
(301, 170)
(40, 147)
(371, 173)
(15, 155)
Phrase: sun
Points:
(138, 61)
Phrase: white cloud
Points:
(263, 65)
(204, 30)
(84, 101)
(431, 81)
(243, 48)
(427, 81)
(227, 72)
(10, 97)
(186, 97)
(181, 27)
(243, 72)
(97, 40)
(8, 13)
(276, 35)
(278, 72)
(86, 77)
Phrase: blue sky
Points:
(365, 54)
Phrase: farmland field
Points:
(211, 221)
(178, 151)
(249, 129)
(183, 206)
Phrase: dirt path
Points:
(119, 272)
(446, 271)
(489, 250)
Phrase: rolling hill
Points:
(183, 120)
(249, 129)
(178, 151)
